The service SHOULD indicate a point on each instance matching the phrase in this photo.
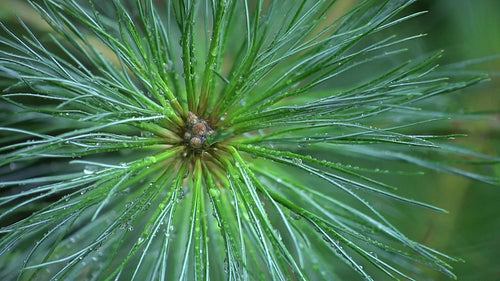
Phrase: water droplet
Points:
(294, 215)
(214, 192)
(12, 166)
(181, 194)
(297, 161)
(89, 170)
(150, 159)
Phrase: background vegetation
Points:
(466, 30)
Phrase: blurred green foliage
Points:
(466, 30)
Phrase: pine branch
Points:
(223, 140)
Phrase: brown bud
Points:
(196, 142)
(200, 129)
(192, 119)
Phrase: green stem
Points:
(188, 56)
(213, 54)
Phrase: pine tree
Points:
(223, 140)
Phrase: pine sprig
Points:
(196, 140)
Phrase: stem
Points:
(207, 89)
(187, 57)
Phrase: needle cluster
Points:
(217, 140)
